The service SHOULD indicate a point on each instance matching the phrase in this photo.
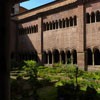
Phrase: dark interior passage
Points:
(63, 57)
(74, 54)
(96, 57)
(56, 56)
(89, 57)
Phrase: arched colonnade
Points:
(93, 56)
(56, 56)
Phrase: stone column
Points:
(52, 58)
(4, 50)
(71, 58)
(48, 59)
(93, 58)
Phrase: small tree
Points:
(30, 69)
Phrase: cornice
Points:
(52, 11)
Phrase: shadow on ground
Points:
(45, 90)
(72, 92)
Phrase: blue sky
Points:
(34, 3)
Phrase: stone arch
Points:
(97, 16)
(92, 17)
(45, 57)
(68, 54)
(50, 57)
(87, 18)
(56, 56)
(74, 56)
(89, 57)
(96, 56)
(62, 56)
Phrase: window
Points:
(63, 21)
(53, 25)
(56, 24)
(47, 26)
(60, 24)
(50, 25)
(67, 22)
(75, 20)
(71, 21)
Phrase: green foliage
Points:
(59, 75)
(30, 68)
(57, 64)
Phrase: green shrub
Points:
(57, 64)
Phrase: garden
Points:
(31, 81)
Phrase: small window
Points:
(53, 25)
(71, 21)
(47, 26)
(56, 24)
(60, 24)
(67, 22)
(50, 25)
(63, 21)
(32, 29)
(75, 20)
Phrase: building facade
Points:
(66, 31)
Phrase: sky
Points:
(34, 3)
